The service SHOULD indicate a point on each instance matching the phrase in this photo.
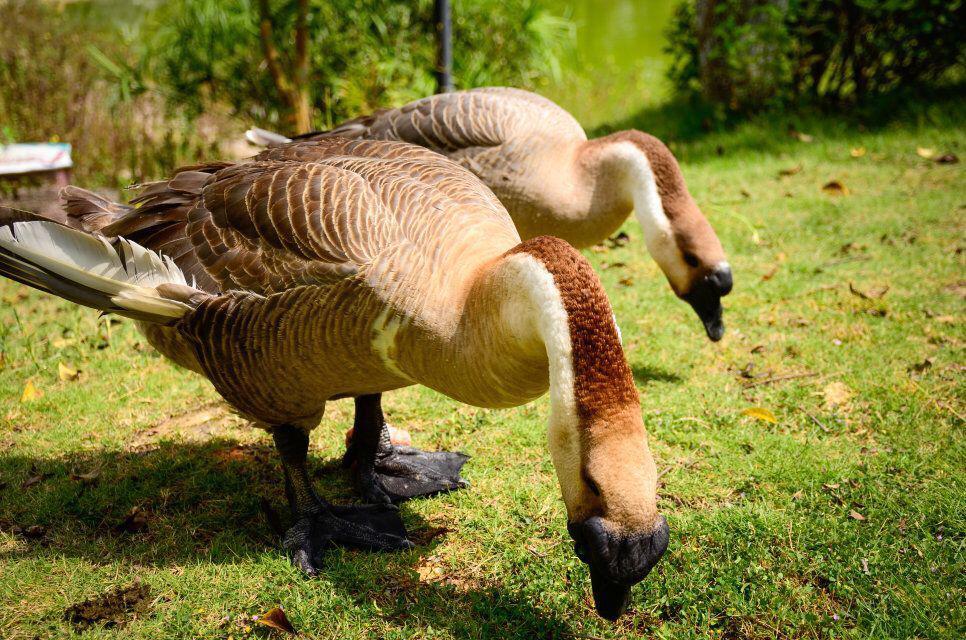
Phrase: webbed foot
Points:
(372, 527)
(385, 472)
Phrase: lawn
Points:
(843, 516)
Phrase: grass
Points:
(844, 518)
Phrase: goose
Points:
(538, 161)
(349, 268)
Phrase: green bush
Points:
(749, 54)
(364, 55)
(64, 76)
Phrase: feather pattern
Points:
(119, 276)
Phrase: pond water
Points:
(619, 62)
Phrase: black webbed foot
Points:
(371, 527)
(406, 472)
(386, 473)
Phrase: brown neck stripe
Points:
(602, 378)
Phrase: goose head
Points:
(610, 493)
(596, 435)
(678, 236)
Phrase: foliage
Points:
(64, 78)
(363, 55)
(748, 54)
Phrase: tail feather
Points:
(89, 211)
(265, 138)
(111, 275)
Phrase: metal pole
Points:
(444, 46)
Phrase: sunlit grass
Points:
(763, 544)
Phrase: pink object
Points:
(398, 437)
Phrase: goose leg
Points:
(320, 525)
(387, 473)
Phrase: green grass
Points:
(763, 544)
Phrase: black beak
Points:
(705, 298)
(617, 560)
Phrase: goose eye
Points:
(691, 259)
(591, 484)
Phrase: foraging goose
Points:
(554, 181)
(342, 268)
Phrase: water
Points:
(619, 62)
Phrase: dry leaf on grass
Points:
(857, 152)
(136, 520)
(66, 372)
(760, 413)
(837, 395)
(947, 158)
(919, 367)
(925, 152)
(276, 619)
(790, 171)
(835, 187)
(872, 294)
(855, 515)
(31, 392)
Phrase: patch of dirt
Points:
(198, 423)
(115, 608)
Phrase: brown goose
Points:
(554, 181)
(342, 268)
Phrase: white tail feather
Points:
(65, 261)
(265, 138)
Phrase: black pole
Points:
(444, 46)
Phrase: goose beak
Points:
(617, 560)
(705, 298)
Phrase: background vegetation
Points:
(746, 55)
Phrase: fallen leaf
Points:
(945, 319)
(60, 343)
(836, 394)
(768, 275)
(872, 294)
(947, 158)
(745, 193)
(855, 515)
(37, 478)
(276, 619)
(760, 413)
(835, 187)
(919, 367)
(925, 152)
(798, 495)
(86, 478)
(30, 392)
(865, 566)
(135, 521)
(66, 372)
(613, 265)
(857, 152)
(798, 135)
(35, 532)
(831, 486)
(790, 171)
(626, 281)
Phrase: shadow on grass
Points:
(184, 502)
(644, 374)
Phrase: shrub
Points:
(747, 54)
(62, 78)
(363, 56)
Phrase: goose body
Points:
(537, 160)
(337, 268)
